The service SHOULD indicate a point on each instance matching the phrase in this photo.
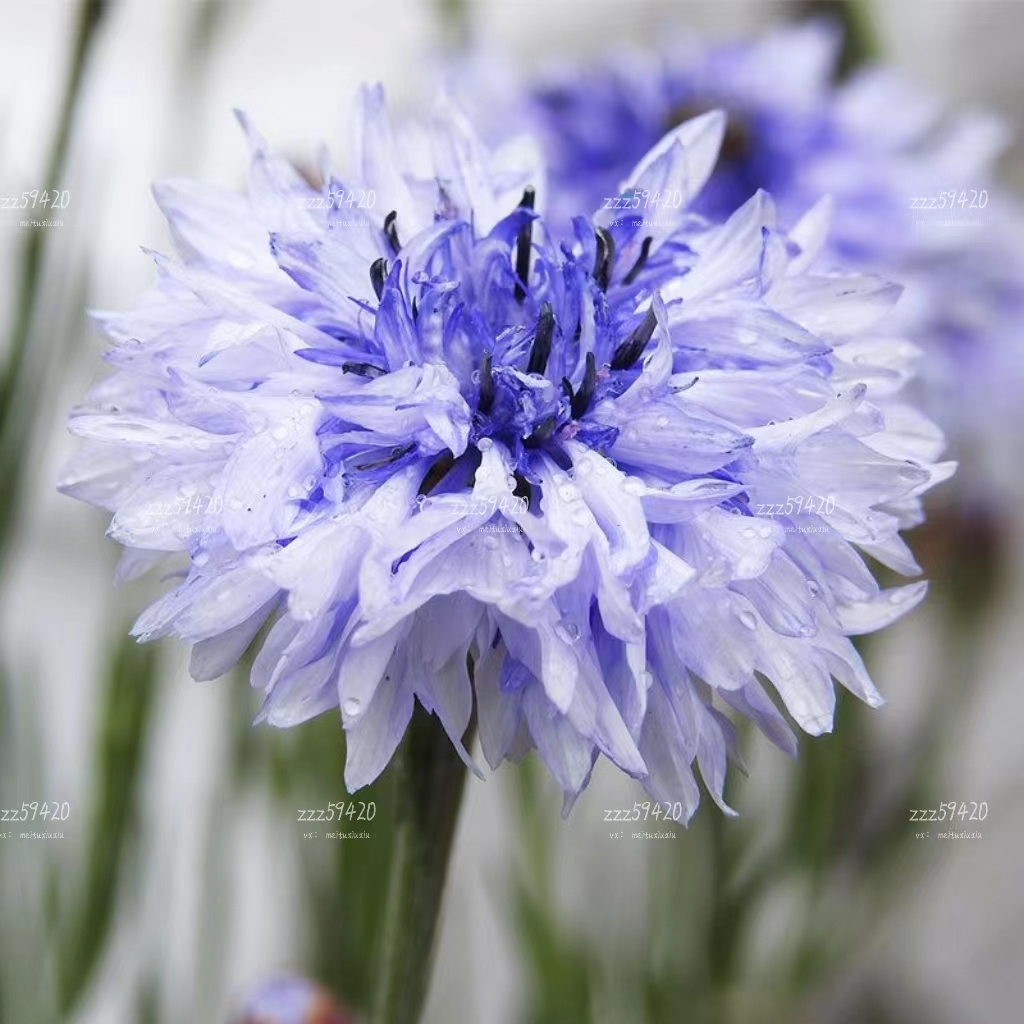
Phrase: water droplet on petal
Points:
(280, 432)
(490, 541)
(567, 631)
(807, 630)
(813, 588)
(484, 444)
(663, 421)
(749, 619)
(634, 486)
(765, 531)
(750, 533)
(581, 517)
(351, 707)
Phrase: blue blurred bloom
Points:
(624, 477)
(903, 174)
(291, 1000)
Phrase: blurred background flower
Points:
(184, 878)
(291, 1001)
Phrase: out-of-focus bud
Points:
(293, 1000)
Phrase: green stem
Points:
(20, 382)
(428, 781)
(455, 22)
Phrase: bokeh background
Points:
(183, 880)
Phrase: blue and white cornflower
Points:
(604, 491)
(914, 190)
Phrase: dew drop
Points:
(235, 503)
(567, 631)
(581, 517)
(663, 421)
(584, 468)
(484, 444)
(490, 541)
(537, 555)
(807, 630)
(750, 533)
(569, 492)
(280, 432)
(201, 557)
(634, 486)
(813, 588)
(351, 707)
(765, 532)
(748, 619)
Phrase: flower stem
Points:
(428, 781)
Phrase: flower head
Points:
(603, 489)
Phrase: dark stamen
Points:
(523, 489)
(541, 432)
(363, 369)
(378, 275)
(392, 232)
(437, 472)
(396, 454)
(604, 259)
(632, 348)
(567, 388)
(486, 399)
(523, 245)
(645, 251)
(581, 400)
(541, 348)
